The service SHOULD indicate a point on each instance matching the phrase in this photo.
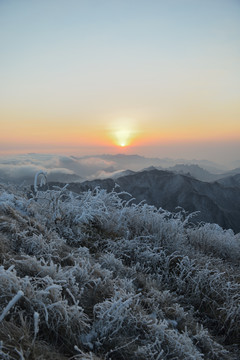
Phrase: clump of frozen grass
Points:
(104, 278)
(36, 325)
(112, 316)
(11, 304)
(212, 239)
(42, 175)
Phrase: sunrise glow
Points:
(122, 137)
(123, 131)
(177, 86)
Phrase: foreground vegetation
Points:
(96, 277)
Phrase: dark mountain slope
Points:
(230, 181)
(216, 203)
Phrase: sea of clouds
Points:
(22, 168)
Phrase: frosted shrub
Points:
(205, 342)
(43, 179)
(93, 276)
(9, 283)
(109, 261)
(38, 245)
(11, 304)
(212, 239)
(112, 317)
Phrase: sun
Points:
(122, 131)
(122, 137)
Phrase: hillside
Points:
(215, 202)
(230, 181)
(95, 277)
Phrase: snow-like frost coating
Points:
(93, 276)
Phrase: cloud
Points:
(18, 171)
(102, 174)
(97, 162)
(24, 167)
(69, 168)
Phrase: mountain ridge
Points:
(215, 202)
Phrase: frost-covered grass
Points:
(93, 276)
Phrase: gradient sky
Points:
(91, 75)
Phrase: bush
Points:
(92, 276)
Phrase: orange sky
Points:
(139, 74)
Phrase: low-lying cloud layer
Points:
(59, 168)
(22, 168)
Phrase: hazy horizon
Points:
(154, 78)
(225, 154)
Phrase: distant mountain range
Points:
(195, 171)
(201, 186)
(217, 202)
(22, 168)
(137, 162)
